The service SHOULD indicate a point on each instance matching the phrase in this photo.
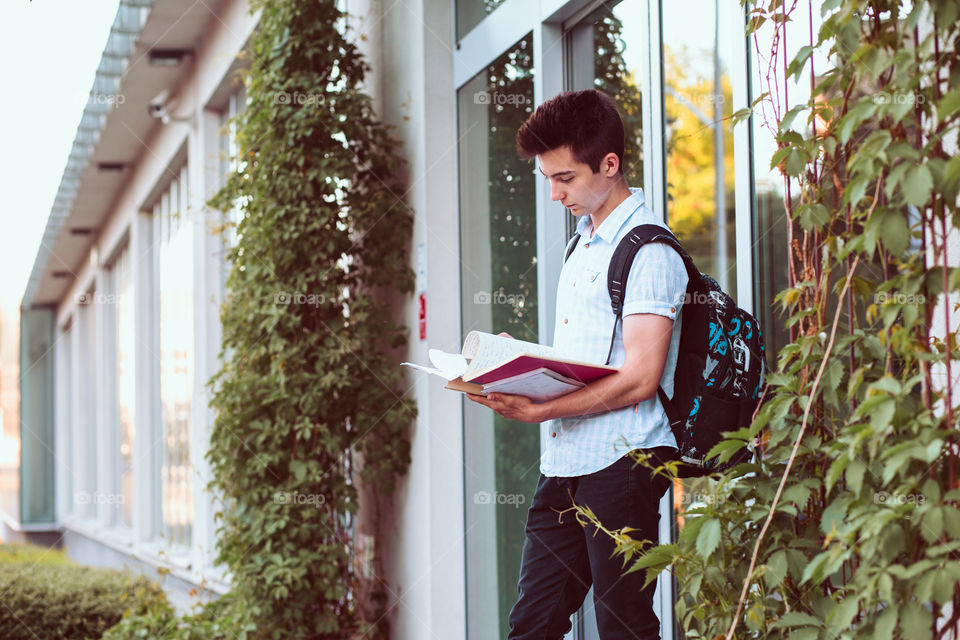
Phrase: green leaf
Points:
(949, 104)
(916, 622)
(795, 163)
(854, 475)
(793, 619)
(855, 190)
(299, 470)
(779, 156)
(932, 527)
(886, 623)
(709, 538)
(835, 471)
(894, 231)
(854, 118)
(917, 185)
(843, 613)
(881, 415)
(791, 115)
(740, 116)
(776, 570)
(813, 216)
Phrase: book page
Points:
(485, 350)
(539, 385)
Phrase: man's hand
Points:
(512, 407)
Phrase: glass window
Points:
(176, 360)
(230, 160)
(699, 162)
(470, 13)
(605, 51)
(122, 281)
(771, 233)
(66, 419)
(499, 287)
(605, 54)
(698, 103)
(85, 461)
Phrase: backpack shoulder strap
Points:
(571, 246)
(619, 269)
(627, 250)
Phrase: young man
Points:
(578, 140)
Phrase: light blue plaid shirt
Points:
(657, 284)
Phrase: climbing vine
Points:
(309, 411)
(848, 526)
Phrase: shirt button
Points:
(587, 245)
(553, 435)
(673, 309)
(564, 321)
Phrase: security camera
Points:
(160, 107)
(158, 111)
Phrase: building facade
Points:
(120, 327)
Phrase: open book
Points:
(489, 363)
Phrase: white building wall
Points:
(426, 562)
(194, 140)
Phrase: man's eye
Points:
(567, 181)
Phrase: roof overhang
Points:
(113, 132)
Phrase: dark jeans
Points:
(561, 559)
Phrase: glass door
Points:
(609, 50)
(498, 283)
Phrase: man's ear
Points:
(610, 165)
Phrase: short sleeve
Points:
(657, 282)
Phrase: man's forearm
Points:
(621, 389)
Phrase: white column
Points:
(146, 443)
(104, 362)
(204, 180)
(63, 412)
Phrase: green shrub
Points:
(45, 595)
(223, 619)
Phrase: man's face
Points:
(574, 184)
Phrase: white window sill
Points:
(175, 560)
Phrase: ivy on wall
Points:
(849, 525)
(308, 402)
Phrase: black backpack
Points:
(718, 381)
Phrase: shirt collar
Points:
(609, 228)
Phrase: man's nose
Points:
(556, 193)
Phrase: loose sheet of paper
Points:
(448, 365)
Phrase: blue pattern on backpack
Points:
(716, 333)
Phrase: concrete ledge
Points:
(184, 587)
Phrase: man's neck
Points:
(619, 193)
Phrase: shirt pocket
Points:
(589, 276)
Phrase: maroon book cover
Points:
(523, 362)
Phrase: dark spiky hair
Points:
(586, 121)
